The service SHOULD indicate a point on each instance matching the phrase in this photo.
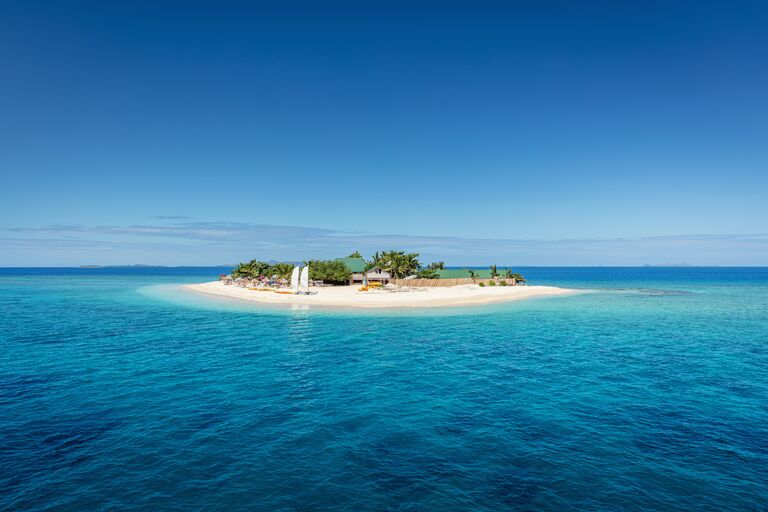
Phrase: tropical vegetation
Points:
(399, 264)
(255, 268)
(329, 271)
(512, 275)
(427, 273)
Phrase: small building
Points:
(378, 274)
(356, 266)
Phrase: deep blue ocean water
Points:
(118, 391)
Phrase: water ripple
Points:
(114, 400)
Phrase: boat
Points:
(304, 279)
(295, 279)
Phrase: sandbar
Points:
(387, 297)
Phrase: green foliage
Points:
(238, 271)
(482, 284)
(491, 283)
(513, 275)
(255, 269)
(427, 273)
(281, 270)
(502, 283)
(397, 263)
(494, 273)
(329, 271)
(372, 262)
(431, 270)
(251, 269)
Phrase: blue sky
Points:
(584, 133)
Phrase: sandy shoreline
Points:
(404, 297)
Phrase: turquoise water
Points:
(120, 392)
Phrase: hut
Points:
(356, 266)
(378, 274)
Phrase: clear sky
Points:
(547, 133)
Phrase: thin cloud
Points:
(205, 242)
(198, 231)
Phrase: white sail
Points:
(304, 278)
(295, 279)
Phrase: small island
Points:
(389, 279)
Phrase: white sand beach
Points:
(388, 297)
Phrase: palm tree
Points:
(427, 273)
(355, 254)
(409, 264)
(281, 269)
(494, 273)
(397, 263)
(472, 274)
(250, 270)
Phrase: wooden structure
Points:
(451, 282)
(378, 274)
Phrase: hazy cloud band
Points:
(204, 243)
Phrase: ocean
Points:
(120, 391)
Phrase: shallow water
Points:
(119, 391)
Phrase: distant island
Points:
(667, 265)
(140, 265)
(137, 265)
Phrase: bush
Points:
(482, 285)
(502, 283)
(256, 268)
(281, 269)
(491, 283)
(427, 273)
(329, 272)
